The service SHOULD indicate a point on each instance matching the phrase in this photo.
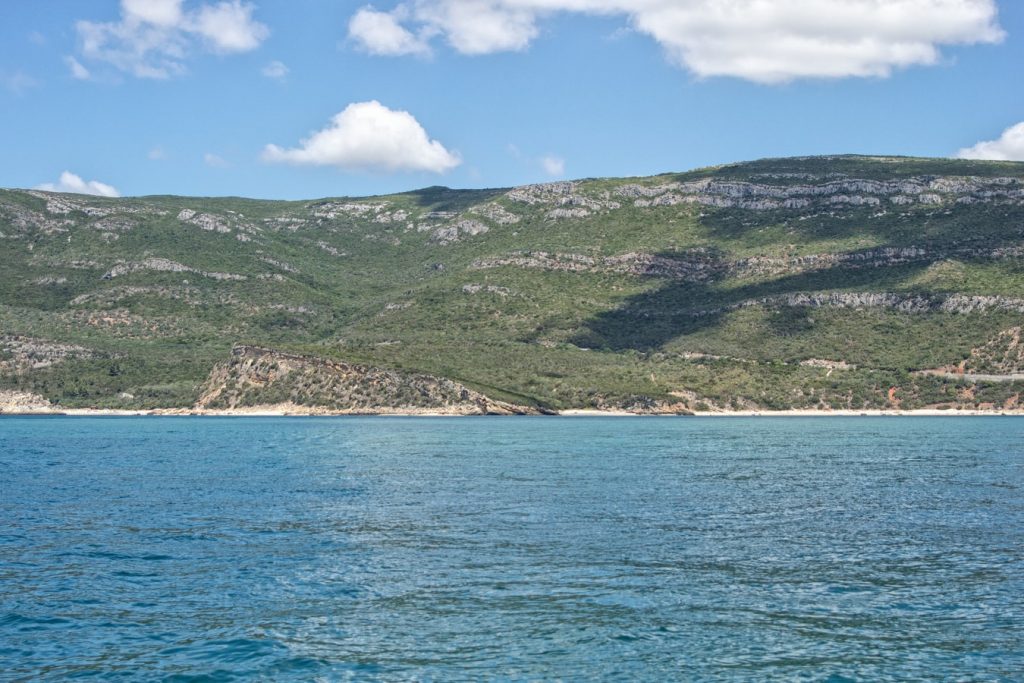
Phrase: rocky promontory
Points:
(257, 376)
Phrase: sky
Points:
(312, 98)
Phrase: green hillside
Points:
(782, 283)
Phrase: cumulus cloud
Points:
(381, 33)
(553, 166)
(368, 136)
(154, 37)
(276, 71)
(156, 12)
(766, 41)
(229, 27)
(214, 161)
(69, 182)
(77, 70)
(1008, 147)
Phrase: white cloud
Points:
(69, 182)
(553, 166)
(476, 27)
(276, 70)
(370, 137)
(17, 81)
(157, 12)
(214, 161)
(229, 27)
(767, 41)
(1009, 146)
(381, 33)
(154, 37)
(156, 154)
(77, 70)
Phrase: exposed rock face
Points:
(453, 233)
(543, 193)
(542, 260)
(694, 265)
(290, 223)
(336, 209)
(61, 204)
(22, 402)
(115, 224)
(566, 197)
(277, 263)
(204, 221)
(496, 213)
(193, 296)
(28, 353)
(849, 192)
(871, 258)
(163, 265)
(904, 303)
(220, 224)
(24, 220)
(577, 212)
(391, 216)
(701, 265)
(260, 376)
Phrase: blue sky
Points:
(184, 96)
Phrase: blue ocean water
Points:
(814, 549)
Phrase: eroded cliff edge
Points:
(256, 376)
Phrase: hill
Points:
(826, 282)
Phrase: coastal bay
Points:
(535, 547)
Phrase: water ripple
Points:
(188, 549)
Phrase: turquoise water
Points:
(512, 548)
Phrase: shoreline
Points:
(301, 411)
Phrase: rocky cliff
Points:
(256, 376)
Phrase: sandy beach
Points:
(305, 411)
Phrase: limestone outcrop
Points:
(255, 376)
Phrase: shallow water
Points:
(512, 548)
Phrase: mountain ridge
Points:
(606, 293)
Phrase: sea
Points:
(512, 548)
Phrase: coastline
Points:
(305, 411)
(24, 404)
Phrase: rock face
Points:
(453, 233)
(22, 403)
(702, 265)
(903, 303)
(496, 213)
(27, 353)
(849, 192)
(203, 221)
(163, 265)
(569, 201)
(256, 376)
(694, 265)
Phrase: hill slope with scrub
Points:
(825, 282)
